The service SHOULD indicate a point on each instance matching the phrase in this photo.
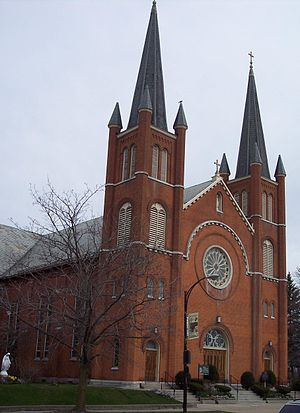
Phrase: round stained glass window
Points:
(217, 265)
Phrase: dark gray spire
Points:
(180, 120)
(256, 158)
(115, 119)
(279, 168)
(150, 73)
(252, 132)
(224, 167)
(146, 100)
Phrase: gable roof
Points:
(35, 252)
(194, 193)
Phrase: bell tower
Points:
(262, 201)
(145, 162)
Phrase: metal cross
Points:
(251, 58)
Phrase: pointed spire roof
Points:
(280, 170)
(180, 120)
(224, 167)
(146, 100)
(150, 73)
(252, 132)
(115, 119)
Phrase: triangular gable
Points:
(206, 187)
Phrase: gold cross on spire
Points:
(251, 58)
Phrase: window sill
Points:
(115, 368)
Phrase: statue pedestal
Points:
(3, 373)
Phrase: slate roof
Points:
(280, 170)
(192, 191)
(252, 133)
(35, 252)
(151, 75)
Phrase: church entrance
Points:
(151, 362)
(268, 361)
(215, 352)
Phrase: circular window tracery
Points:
(214, 339)
(216, 263)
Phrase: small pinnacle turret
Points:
(224, 167)
(252, 132)
(115, 119)
(146, 100)
(150, 74)
(180, 120)
(256, 158)
(280, 170)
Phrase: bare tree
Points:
(72, 292)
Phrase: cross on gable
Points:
(217, 167)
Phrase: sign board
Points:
(203, 369)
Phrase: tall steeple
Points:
(252, 132)
(150, 74)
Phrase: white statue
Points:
(5, 365)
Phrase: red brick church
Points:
(228, 232)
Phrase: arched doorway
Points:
(215, 351)
(151, 361)
(268, 360)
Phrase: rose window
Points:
(217, 267)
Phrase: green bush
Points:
(223, 389)
(296, 385)
(283, 390)
(196, 388)
(247, 380)
(260, 390)
(213, 374)
(179, 379)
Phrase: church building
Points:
(221, 241)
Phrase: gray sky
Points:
(65, 63)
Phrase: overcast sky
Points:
(65, 63)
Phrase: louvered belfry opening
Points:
(157, 231)
(268, 258)
(124, 225)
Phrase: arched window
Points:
(265, 309)
(150, 288)
(161, 292)
(124, 225)
(215, 339)
(245, 202)
(268, 258)
(272, 310)
(237, 197)
(132, 161)
(270, 207)
(264, 205)
(155, 156)
(116, 353)
(219, 202)
(125, 171)
(164, 166)
(157, 230)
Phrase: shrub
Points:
(260, 390)
(296, 385)
(196, 388)
(283, 390)
(223, 389)
(247, 380)
(213, 374)
(179, 379)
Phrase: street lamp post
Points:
(186, 352)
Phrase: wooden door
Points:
(150, 368)
(216, 358)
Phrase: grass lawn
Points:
(47, 394)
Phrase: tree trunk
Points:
(82, 386)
